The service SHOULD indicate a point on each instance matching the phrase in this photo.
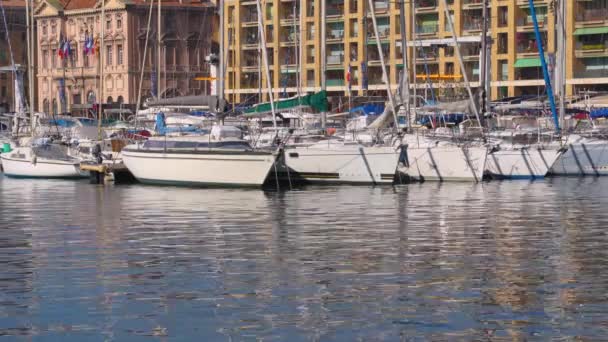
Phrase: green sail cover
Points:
(317, 101)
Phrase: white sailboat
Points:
(44, 161)
(521, 162)
(584, 157)
(218, 159)
(442, 158)
(427, 159)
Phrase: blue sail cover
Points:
(369, 109)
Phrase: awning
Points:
(590, 30)
(527, 62)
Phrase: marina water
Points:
(492, 261)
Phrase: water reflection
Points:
(501, 260)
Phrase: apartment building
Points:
(12, 50)
(295, 43)
(72, 82)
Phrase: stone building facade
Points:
(72, 83)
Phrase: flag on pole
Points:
(66, 49)
(60, 49)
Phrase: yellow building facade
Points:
(299, 50)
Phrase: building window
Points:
(108, 24)
(55, 108)
(91, 97)
(53, 29)
(45, 106)
(86, 60)
(53, 54)
(503, 16)
(119, 55)
(44, 30)
(118, 23)
(108, 54)
(45, 59)
(77, 99)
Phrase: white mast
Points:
(414, 42)
(143, 62)
(158, 35)
(29, 12)
(405, 88)
(385, 76)
(101, 66)
(560, 68)
(323, 57)
(462, 69)
(261, 30)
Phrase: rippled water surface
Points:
(486, 262)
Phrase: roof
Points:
(13, 3)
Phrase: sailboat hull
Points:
(41, 168)
(447, 163)
(349, 164)
(199, 168)
(583, 159)
(521, 163)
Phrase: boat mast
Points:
(543, 63)
(262, 33)
(221, 72)
(29, 12)
(323, 57)
(460, 61)
(484, 61)
(385, 76)
(101, 85)
(414, 29)
(143, 62)
(158, 42)
(405, 95)
(561, 59)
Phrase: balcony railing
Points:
(426, 3)
(600, 73)
(528, 20)
(592, 14)
(335, 59)
(427, 28)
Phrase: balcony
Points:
(473, 21)
(335, 8)
(472, 4)
(335, 59)
(527, 22)
(249, 16)
(381, 5)
(591, 49)
(426, 5)
(585, 16)
(427, 29)
(600, 73)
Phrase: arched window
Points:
(45, 106)
(55, 107)
(91, 97)
(110, 99)
(120, 99)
